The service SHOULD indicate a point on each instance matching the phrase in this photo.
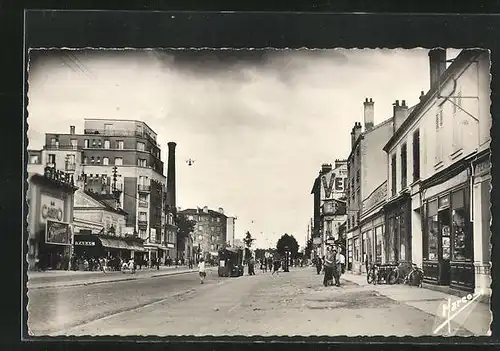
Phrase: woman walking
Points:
(329, 267)
(201, 270)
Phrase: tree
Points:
(184, 227)
(248, 241)
(290, 242)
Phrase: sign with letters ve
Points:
(57, 233)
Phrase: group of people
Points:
(333, 266)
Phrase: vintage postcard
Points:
(339, 192)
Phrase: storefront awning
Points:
(114, 243)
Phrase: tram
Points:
(230, 262)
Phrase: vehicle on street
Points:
(230, 262)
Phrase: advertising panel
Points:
(58, 233)
(51, 208)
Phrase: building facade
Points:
(50, 219)
(231, 227)
(210, 232)
(366, 173)
(329, 204)
(127, 148)
(438, 168)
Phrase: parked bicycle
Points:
(378, 273)
(407, 273)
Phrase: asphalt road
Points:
(292, 303)
(53, 309)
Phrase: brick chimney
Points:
(437, 64)
(72, 130)
(339, 163)
(326, 167)
(400, 112)
(171, 202)
(355, 133)
(368, 114)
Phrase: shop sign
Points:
(84, 243)
(375, 198)
(57, 233)
(170, 246)
(334, 182)
(317, 240)
(51, 208)
(482, 168)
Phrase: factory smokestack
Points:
(171, 203)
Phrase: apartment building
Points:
(112, 155)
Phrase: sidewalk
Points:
(55, 279)
(477, 319)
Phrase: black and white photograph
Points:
(258, 192)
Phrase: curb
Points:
(105, 281)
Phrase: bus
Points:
(230, 262)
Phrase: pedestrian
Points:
(201, 270)
(342, 263)
(336, 267)
(365, 261)
(319, 264)
(276, 265)
(329, 263)
(157, 264)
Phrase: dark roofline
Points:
(315, 185)
(200, 211)
(119, 120)
(108, 207)
(463, 57)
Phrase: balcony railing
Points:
(70, 166)
(63, 147)
(143, 204)
(124, 133)
(144, 188)
(142, 223)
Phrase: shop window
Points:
(462, 237)
(404, 170)
(357, 254)
(402, 238)
(416, 155)
(393, 175)
(432, 231)
(378, 244)
(391, 239)
(444, 219)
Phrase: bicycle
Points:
(415, 275)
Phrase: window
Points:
(92, 159)
(378, 244)
(439, 135)
(416, 155)
(143, 216)
(358, 175)
(462, 237)
(74, 144)
(393, 175)
(404, 170)
(357, 256)
(51, 159)
(431, 247)
(141, 162)
(34, 159)
(106, 144)
(86, 143)
(53, 142)
(457, 125)
(119, 144)
(105, 161)
(140, 146)
(98, 159)
(358, 194)
(118, 161)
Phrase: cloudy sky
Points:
(258, 124)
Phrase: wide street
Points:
(293, 303)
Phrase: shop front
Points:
(50, 217)
(372, 236)
(397, 243)
(448, 252)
